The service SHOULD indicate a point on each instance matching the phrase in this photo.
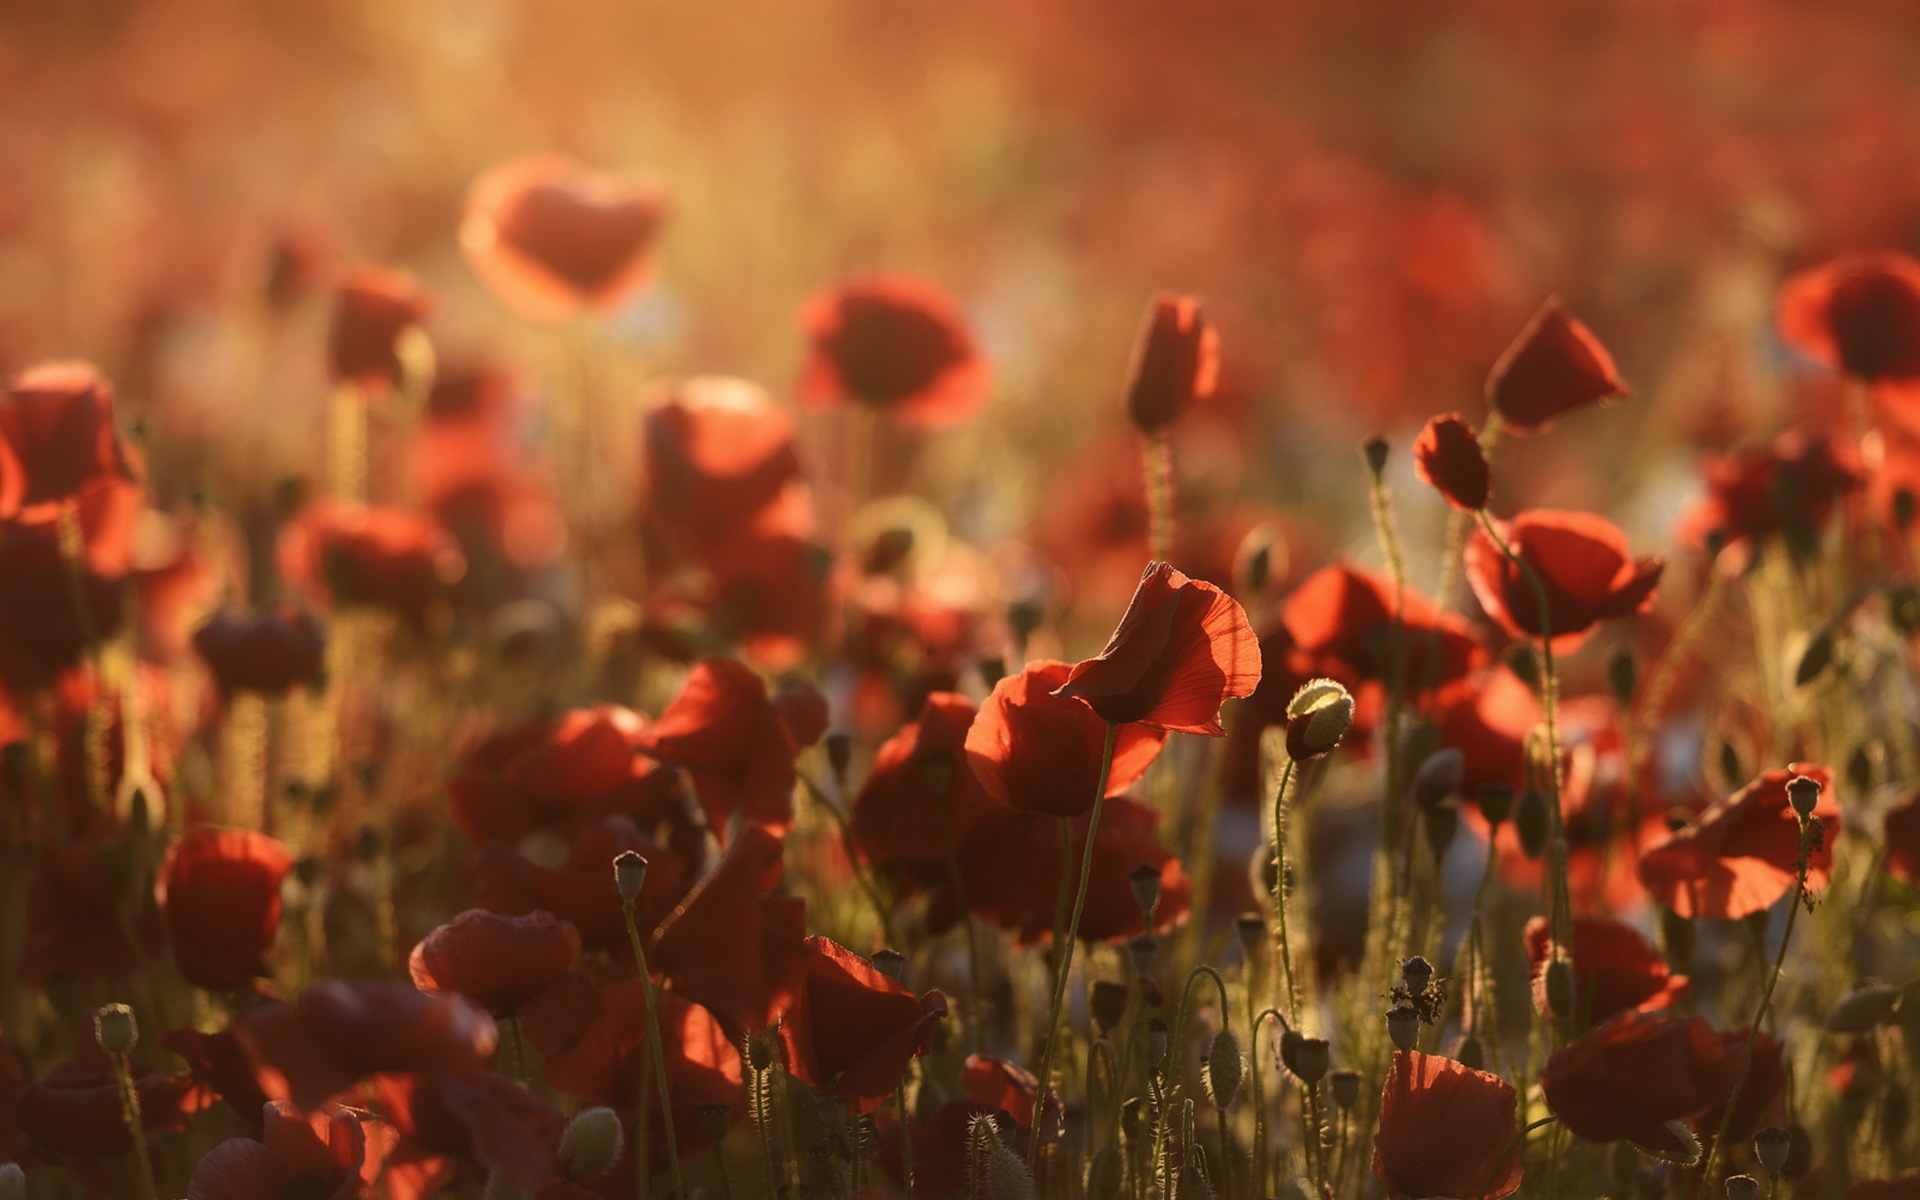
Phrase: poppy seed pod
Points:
(1804, 794)
(1311, 1059)
(629, 875)
(1251, 928)
(1145, 882)
(1144, 948)
(1470, 1053)
(1403, 1026)
(1771, 1146)
(890, 963)
(1107, 1001)
(1742, 1187)
(1374, 452)
(1870, 1003)
(1440, 825)
(1224, 1069)
(1496, 802)
(115, 1029)
(591, 1143)
(1345, 1086)
(1416, 973)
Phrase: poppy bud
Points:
(1860, 770)
(1176, 363)
(1531, 819)
(591, 1143)
(1007, 1175)
(1416, 973)
(1317, 727)
(1253, 566)
(115, 1029)
(1156, 1041)
(1403, 1026)
(1447, 455)
(1223, 1069)
(890, 963)
(1143, 947)
(1815, 658)
(1312, 694)
(1770, 1146)
(1471, 1054)
(1345, 1085)
(1623, 677)
(1440, 824)
(1560, 989)
(1311, 1058)
(1104, 1174)
(1108, 1003)
(839, 752)
(13, 1182)
(1803, 794)
(629, 875)
(1742, 1187)
(1289, 1044)
(714, 1122)
(1689, 1152)
(1145, 881)
(1252, 930)
(1438, 777)
(1496, 802)
(1870, 1003)
(1374, 451)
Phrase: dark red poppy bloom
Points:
(1445, 1130)
(496, 961)
(1038, 752)
(1447, 455)
(323, 1156)
(1613, 970)
(1739, 855)
(74, 919)
(1903, 839)
(554, 239)
(1582, 564)
(1340, 622)
(447, 1115)
(736, 743)
(580, 890)
(1859, 314)
(219, 1064)
(372, 309)
(922, 795)
(1182, 650)
(353, 554)
(1631, 1075)
(997, 1085)
(722, 462)
(1489, 726)
(851, 1030)
(270, 651)
(73, 1113)
(41, 633)
(219, 896)
(1788, 487)
(1176, 363)
(1555, 366)
(561, 773)
(897, 344)
(60, 438)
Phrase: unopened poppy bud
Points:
(1156, 1041)
(1145, 881)
(890, 963)
(1007, 1176)
(1815, 658)
(1290, 1040)
(714, 1121)
(1803, 794)
(115, 1029)
(1223, 1069)
(1623, 676)
(1403, 1026)
(1770, 1146)
(1496, 802)
(1104, 1175)
(1869, 1004)
(839, 746)
(1374, 451)
(1532, 821)
(1311, 1059)
(1251, 928)
(1108, 1003)
(1416, 973)
(1560, 989)
(1440, 825)
(1320, 728)
(1313, 694)
(591, 1143)
(629, 875)
(1144, 948)
(13, 1182)
(1255, 561)
(1345, 1086)
(1438, 777)
(1742, 1187)
(1471, 1053)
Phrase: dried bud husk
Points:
(1416, 973)
(715, 1120)
(1816, 658)
(1438, 778)
(890, 963)
(1108, 1002)
(1560, 989)
(1345, 1086)
(1771, 1146)
(1104, 1174)
(1496, 802)
(1403, 1026)
(1623, 676)
(1803, 794)
(629, 874)
(591, 1143)
(1145, 881)
(1742, 1187)
(1224, 1069)
(115, 1029)
(1870, 1003)
(1007, 1176)
(1533, 822)
(1311, 1059)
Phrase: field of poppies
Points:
(1037, 600)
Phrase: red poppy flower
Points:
(997, 1085)
(219, 896)
(1582, 564)
(74, 920)
(851, 1030)
(1039, 752)
(897, 344)
(1177, 362)
(1489, 726)
(1790, 486)
(1631, 1075)
(1859, 314)
(722, 462)
(1556, 365)
(1903, 839)
(1739, 855)
(1182, 649)
(74, 1113)
(736, 743)
(769, 593)
(1447, 455)
(554, 239)
(1613, 970)
(442, 1115)
(41, 632)
(270, 651)
(324, 1156)
(580, 890)
(372, 308)
(561, 773)
(219, 1064)
(1445, 1130)
(1340, 620)
(496, 961)
(353, 554)
(922, 795)
(60, 438)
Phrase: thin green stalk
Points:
(130, 1113)
(1259, 1095)
(659, 1069)
(1514, 1146)
(906, 1135)
(1280, 889)
(976, 990)
(1159, 464)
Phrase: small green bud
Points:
(1403, 1026)
(115, 1029)
(1345, 1086)
(591, 1143)
(1770, 1146)
(629, 875)
(1224, 1069)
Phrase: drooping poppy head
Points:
(852, 1030)
(738, 743)
(896, 343)
(498, 962)
(1176, 362)
(1447, 454)
(1555, 366)
(1859, 314)
(1183, 648)
(1787, 488)
(1741, 854)
(59, 438)
(1580, 561)
(1627, 1078)
(323, 1156)
(270, 651)
(553, 239)
(1039, 752)
(373, 308)
(1445, 1131)
(219, 896)
(1614, 969)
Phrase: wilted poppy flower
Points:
(1630, 1076)
(1582, 564)
(269, 651)
(1556, 365)
(1340, 624)
(498, 962)
(580, 889)
(736, 742)
(219, 896)
(1903, 838)
(1788, 487)
(372, 309)
(851, 1030)
(561, 773)
(353, 554)
(722, 461)
(897, 344)
(323, 1156)
(921, 795)
(1613, 969)
(60, 439)
(1447, 455)
(1182, 649)
(1445, 1130)
(1176, 362)
(1039, 752)
(554, 239)
(74, 1113)
(1739, 855)
(1859, 314)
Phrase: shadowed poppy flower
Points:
(1556, 365)
(1613, 970)
(579, 889)
(219, 1064)
(354, 554)
(440, 1115)
(219, 897)
(372, 309)
(561, 773)
(1789, 487)
(73, 1112)
(1582, 564)
(1489, 726)
(1039, 752)
(1739, 855)
(270, 651)
(1759, 1101)
(1903, 839)
(1340, 621)
(921, 795)
(1176, 362)
(323, 1157)
(1859, 314)
(897, 344)
(73, 917)
(851, 1030)
(735, 742)
(1182, 649)
(1447, 455)
(41, 633)
(1631, 1075)
(553, 239)
(60, 438)
(722, 460)
(769, 594)
(498, 962)
(1445, 1130)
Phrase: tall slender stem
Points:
(1280, 891)
(130, 1113)
(1159, 464)
(659, 1069)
